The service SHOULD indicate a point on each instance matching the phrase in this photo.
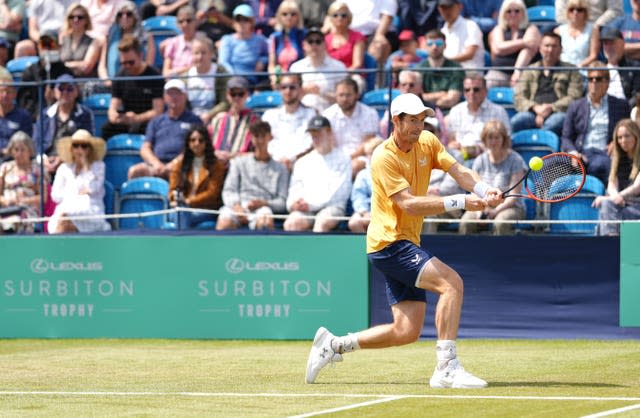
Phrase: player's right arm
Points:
(434, 205)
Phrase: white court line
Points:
(312, 395)
(613, 411)
(347, 407)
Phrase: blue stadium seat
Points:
(17, 66)
(379, 99)
(370, 63)
(263, 100)
(504, 97)
(99, 104)
(544, 17)
(109, 198)
(161, 27)
(577, 208)
(123, 151)
(535, 143)
(143, 194)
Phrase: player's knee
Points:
(408, 334)
(454, 284)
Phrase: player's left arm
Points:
(470, 181)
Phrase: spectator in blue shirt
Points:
(244, 51)
(12, 118)
(164, 139)
(361, 192)
(61, 119)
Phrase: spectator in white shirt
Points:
(320, 183)
(464, 37)
(289, 122)
(353, 122)
(320, 72)
(466, 119)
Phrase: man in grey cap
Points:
(320, 184)
(625, 82)
(400, 171)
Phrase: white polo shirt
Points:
(350, 130)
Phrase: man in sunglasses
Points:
(588, 128)
(320, 72)
(443, 88)
(61, 119)
(466, 119)
(289, 122)
(134, 102)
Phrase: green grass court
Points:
(527, 378)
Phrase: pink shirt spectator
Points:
(103, 14)
(179, 51)
(343, 53)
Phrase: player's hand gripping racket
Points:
(552, 178)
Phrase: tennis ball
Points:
(536, 163)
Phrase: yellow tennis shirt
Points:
(393, 170)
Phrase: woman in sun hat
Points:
(78, 188)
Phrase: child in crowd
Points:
(206, 92)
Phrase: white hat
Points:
(410, 104)
(175, 84)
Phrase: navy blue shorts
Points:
(401, 263)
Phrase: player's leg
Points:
(440, 278)
(408, 319)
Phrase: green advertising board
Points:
(264, 287)
(629, 275)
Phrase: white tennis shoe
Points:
(321, 354)
(456, 377)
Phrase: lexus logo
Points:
(39, 265)
(234, 265)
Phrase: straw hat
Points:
(80, 136)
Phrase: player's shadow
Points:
(555, 384)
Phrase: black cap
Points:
(314, 30)
(318, 122)
(609, 33)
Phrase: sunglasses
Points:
(83, 145)
(241, 19)
(513, 11)
(186, 21)
(472, 89)
(597, 79)
(127, 63)
(127, 14)
(342, 15)
(315, 41)
(66, 88)
(436, 42)
(288, 86)
(197, 139)
(77, 17)
(577, 9)
(410, 85)
(292, 14)
(237, 93)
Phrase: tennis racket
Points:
(560, 178)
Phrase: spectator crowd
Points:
(192, 96)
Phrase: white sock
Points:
(345, 344)
(445, 351)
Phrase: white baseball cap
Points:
(410, 104)
(175, 83)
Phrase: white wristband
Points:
(455, 202)
(481, 188)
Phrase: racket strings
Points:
(560, 177)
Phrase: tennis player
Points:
(400, 170)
